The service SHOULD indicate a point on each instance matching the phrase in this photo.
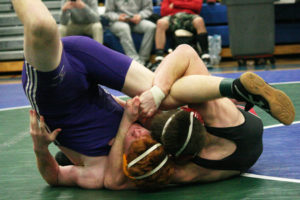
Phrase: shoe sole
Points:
(281, 106)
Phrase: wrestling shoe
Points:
(62, 159)
(153, 66)
(206, 59)
(255, 91)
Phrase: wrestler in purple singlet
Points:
(71, 99)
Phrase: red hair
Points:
(152, 160)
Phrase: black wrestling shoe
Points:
(153, 66)
(206, 60)
(62, 159)
(255, 91)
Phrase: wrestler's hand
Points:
(151, 100)
(148, 106)
(40, 136)
(132, 109)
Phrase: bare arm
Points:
(200, 174)
(71, 175)
(90, 177)
(114, 175)
(183, 61)
(42, 46)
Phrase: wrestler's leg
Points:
(138, 79)
(42, 47)
(201, 88)
(249, 88)
(184, 62)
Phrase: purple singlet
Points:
(70, 97)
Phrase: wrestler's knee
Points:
(186, 50)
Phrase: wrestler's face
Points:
(134, 133)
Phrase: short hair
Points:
(173, 140)
(177, 131)
(157, 180)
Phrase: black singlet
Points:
(248, 140)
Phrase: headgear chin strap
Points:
(140, 157)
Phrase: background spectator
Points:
(178, 14)
(130, 15)
(81, 17)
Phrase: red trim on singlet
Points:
(199, 117)
(196, 114)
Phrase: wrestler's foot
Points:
(255, 91)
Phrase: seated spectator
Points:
(130, 15)
(177, 14)
(80, 17)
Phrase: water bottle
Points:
(210, 47)
(218, 47)
(215, 47)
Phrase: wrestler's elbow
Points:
(113, 183)
(51, 181)
(109, 183)
(52, 184)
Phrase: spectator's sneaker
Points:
(158, 60)
(206, 59)
(148, 64)
(154, 65)
(255, 91)
(62, 159)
